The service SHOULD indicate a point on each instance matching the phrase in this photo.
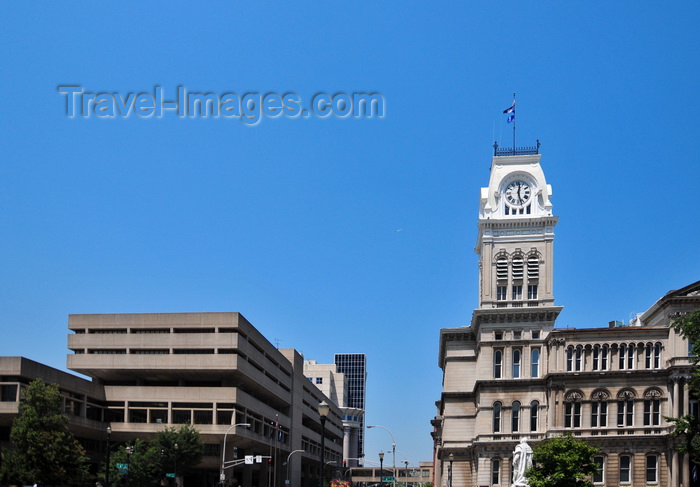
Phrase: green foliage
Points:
(688, 427)
(562, 462)
(149, 462)
(45, 451)
(689, 327)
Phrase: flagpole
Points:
(514, 122)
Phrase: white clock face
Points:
(518, 193)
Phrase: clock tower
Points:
(516, 243)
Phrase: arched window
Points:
(496, 471)
(515, 417)
(625, 407)
(604, 357)
(657, 356)
(631, 355)
(535, 362)
(516, 363)
(599, 408)
(517, 268)
(502, 269)
(497, 363)
(533, 267)
(534, 412)
(570, 358)
(579, 359)
(572, 409)
(648, 355)
(497, 417)
(652, 407)
(622, 356)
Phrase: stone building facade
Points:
(512, 375)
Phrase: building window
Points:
(652, 412)
(516, 363)
(657, 356)
(535, 362)
(535, 334)
(319, 380)
(599, 414)
(572, 409)
(596, 357)
(515, 417)
(604, 357)
(501, 293)
(517, 268)
(572, 415)
(534, 412)
(533, 267)
(570, 359)
(652, 462)
(498, 335)
(495, 471)
(532, 291)
(625, 413)
(648, 354)
(517, 293)
(497, 363)
(502, 268)
(627, 355)
(497, 417)
(625, 469)
(598, 476)
(579, 354)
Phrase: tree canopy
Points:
(562, 462)
(688, 427)
(45, 452)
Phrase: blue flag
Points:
(510, 109)
(511, 118)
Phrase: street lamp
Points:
(381, 469)
(287, 480)
(393, 445)
(222, 475)
(129, 450)
(323, 410)
(109, 434)
(449, 471)
(406, 463)
(175, 463)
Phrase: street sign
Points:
(171, 475)
(258, 459)
(249, 459)
(388, 479)
(123, 465)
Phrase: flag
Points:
(511, 118)
(510, 109)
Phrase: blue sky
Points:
(294, 221)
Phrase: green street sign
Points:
(388, 479)
(172, 475)
(123, 465)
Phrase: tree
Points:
(688, 427)
(45, 450)
(562, 462)
(181, 448)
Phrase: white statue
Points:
(522, 460)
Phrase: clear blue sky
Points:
(294, 221)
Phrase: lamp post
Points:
(323, 410)
(109, 434)
(393, 446)
(381, 469)
(406, 463)
(129, 450)
(288, 480)
(175, 464)
(222, 475)
(449, 471)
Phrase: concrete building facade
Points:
(511, 375)
(213, 370)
